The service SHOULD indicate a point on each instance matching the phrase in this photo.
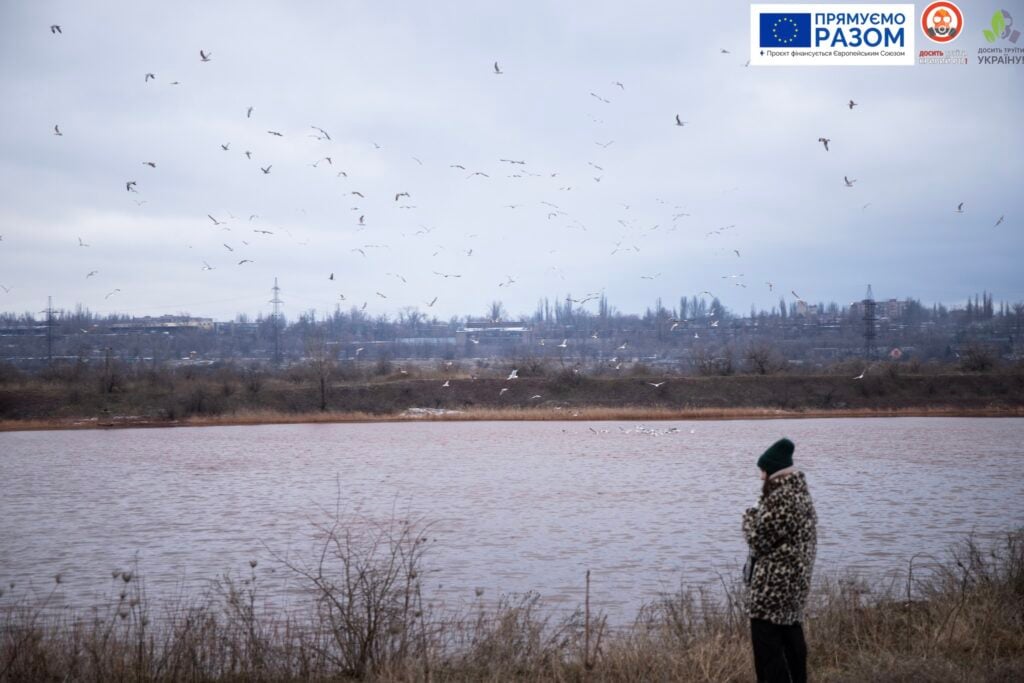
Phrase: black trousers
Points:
(780, 652)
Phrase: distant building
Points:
(493, 334)
(893, 309)
(165, 323)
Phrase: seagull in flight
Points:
(999, 222)
(680, 122)
(960, 208)
(796, 295)
(400, 194)
(825, 142)
(56, 130)
(245, 260)
(274, 132)
(849, 183)
(861, 375)
(207, 266)
(851, 104)
(112, 293)
(91, 273)
(149, 76)
(228, 247)
(151, 164)
(323, 133)
(55, 28)
(431, 303)
(446, 384)
(81, 243)
(226, 146)
(564, 344)
(130, 186)
(513, 375)
(657, 384)
(205, 56)
(618, 83)
(266, 170)
(497, 70)
(248, 113)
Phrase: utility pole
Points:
(870, 348)
(49, 331)
(276, 322)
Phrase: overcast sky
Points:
(406, 90)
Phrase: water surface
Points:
(512, 506)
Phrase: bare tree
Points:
(763, 358)
(496, 311)
(977, 357)
(321, 359)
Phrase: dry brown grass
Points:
(956, 620)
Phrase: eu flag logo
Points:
(785, 30)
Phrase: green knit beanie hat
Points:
(779, 456)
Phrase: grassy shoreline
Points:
(947, 619)
(582, 413)
(224, 397)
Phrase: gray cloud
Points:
(416, 79)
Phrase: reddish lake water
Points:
(514, 506)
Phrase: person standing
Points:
(782, 535)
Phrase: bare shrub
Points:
(763, 359)
(977, 357)
(367, 586)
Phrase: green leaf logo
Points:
(989, 36)
(998, 23)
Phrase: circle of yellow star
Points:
(791, 22)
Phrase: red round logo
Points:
(942, 22)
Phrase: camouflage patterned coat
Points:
(782, 534)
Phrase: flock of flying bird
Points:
(519, 169)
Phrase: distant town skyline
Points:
(454, 155)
